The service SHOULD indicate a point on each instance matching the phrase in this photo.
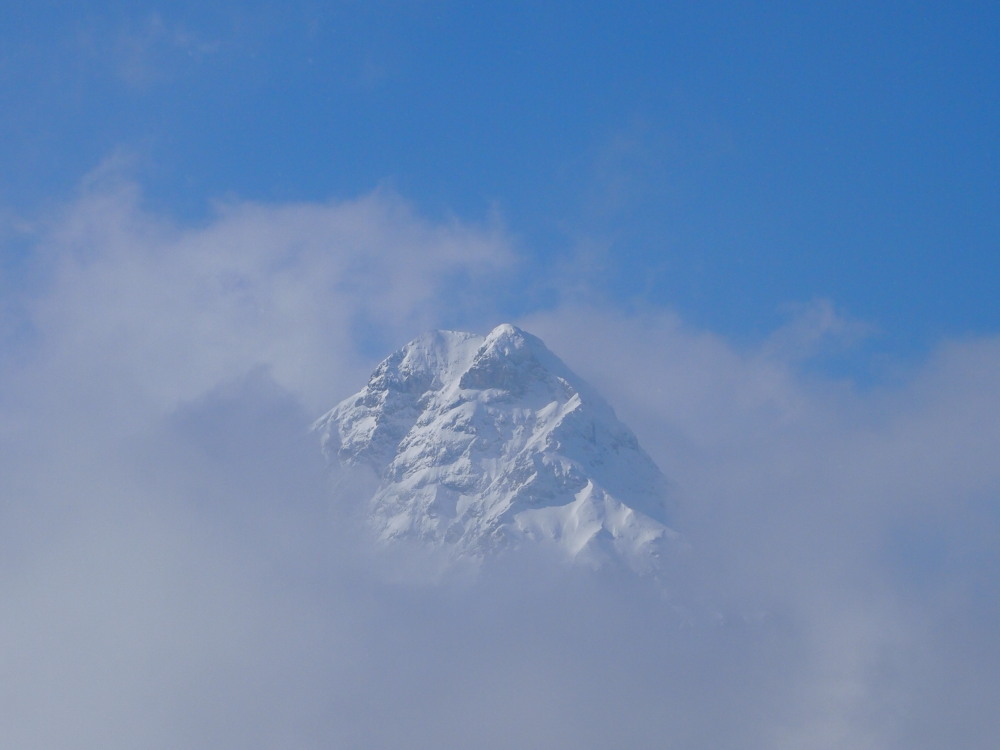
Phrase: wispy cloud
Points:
(148, 49)
(812, 329)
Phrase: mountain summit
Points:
(481, 444)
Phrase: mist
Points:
(178, 571)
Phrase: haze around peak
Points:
(166, 510)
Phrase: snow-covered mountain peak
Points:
(511, 360)
(426, 362)
(485, 443)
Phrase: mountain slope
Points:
(481, 444)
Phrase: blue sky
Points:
(723, 160)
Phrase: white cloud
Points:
(863, 515)
(174, 575)
(143, 310)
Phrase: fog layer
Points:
(176, 570)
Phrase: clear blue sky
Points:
(727, 158)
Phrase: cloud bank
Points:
(175, 573)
